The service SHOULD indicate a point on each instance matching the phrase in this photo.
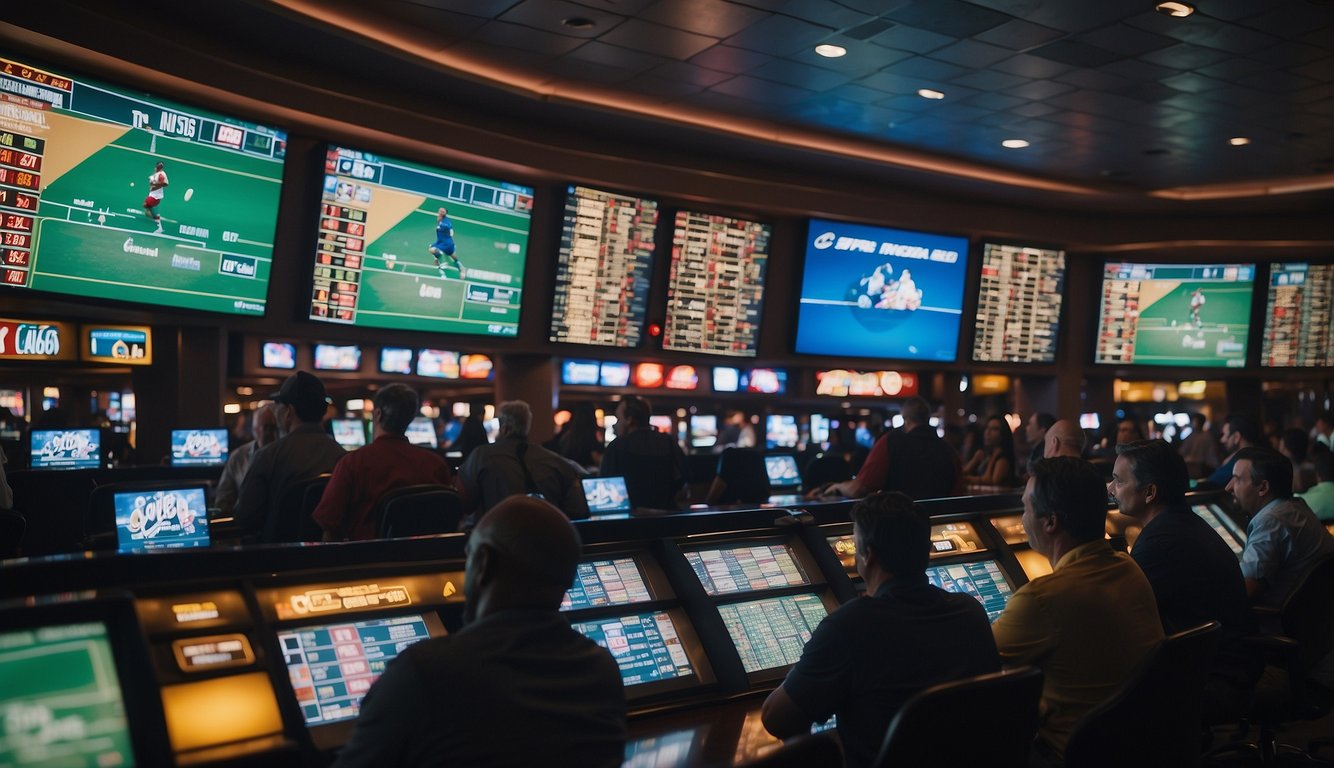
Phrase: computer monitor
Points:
(421, 431)
(746, 567)
(782, 470)
(771, 633)
(646, 646)
(1232, 535)
(66, 448)
(780, 431)
(703, 431)
(983, 579)
(278, 354)
(606, 496)
(350, 433)
(163, 518)
(598, 583)
(198, 447)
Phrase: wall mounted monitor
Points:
(703, 431)
(330, 357)
(405, 245)
(599, 583)
(1299, 320)
(647, 647)
(650, 375)
(1175, 314)
(65, 448)
(819, 428)
(86, 210)
(782, 470)
(198, 447)
(772, 632)
(746, 568)
(603, 268)
(683, 377)
(767, 381)
(606, 496)
(476, 367)
(661, 422)
(1019, 304)
(982, 579)
(438, 363)
(780, 431)
(877, 292)
(350, 433)
(278, 354)
(726, 379)
(174, 518)
(421, 431)
(1227, 530)
(614, 374)
(395, 360)
(716, 286)
(581, 372)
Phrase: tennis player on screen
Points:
(1196, 303)
(444, 242)
(156, 183)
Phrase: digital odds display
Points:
(1175, 314)
(877, 292)
(162, 519)
(1019, 304)
(1298, 332)
(604, 268)
(66, 448)
(115, 194)
(716, 289)
(772, 632)
(198, 447)
(404, 245)
(646, 646)
(984, 580)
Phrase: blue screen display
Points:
(66, 448)
(878, 292)
(983, 580)
(577, 372)
(162, 519)
(198, 447)
(646, 646)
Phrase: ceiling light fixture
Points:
(1174, 8)
(578, 22)
(831, 51)
(1014, 143)
(1239, 141)
(927, 93)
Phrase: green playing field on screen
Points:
(1175, 314)
(403, 245)
(114, 194)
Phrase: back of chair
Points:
(1155, 719)
(1308, 613)
(818, 751)
(295, 519)
(419, 510)
(984, 720)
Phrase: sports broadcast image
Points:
(403, 245)
(114, 194)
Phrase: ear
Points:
(869, 556)
(1150, 492)
(1262, 488)
(1050, 524)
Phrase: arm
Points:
(998, 472)
(781, 717)
(389, 718)
(1022, 634)
(869, 479)
(1266, 543)
(824, 677)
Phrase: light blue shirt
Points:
(1284, 540)
(1320, 498)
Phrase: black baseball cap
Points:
(302, 390)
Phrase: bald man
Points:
(516, 685)
(1064, 438)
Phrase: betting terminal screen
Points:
(1227, 530)
(716, 287)
(66, 448)
(772, 632)
(161, 519)
(727, 570)
(1019, 304)
(1299, 326)
(646, 646)
(606, 582)
(982, 579)
(782, 470)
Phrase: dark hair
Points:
(1324, 465)
(1073, 491)
(1154, 462)
(398, 405)
(1045, 420)
(895, 527)
(1245, 426)
(1197, 420)
(1268, 465)
(636, 409)
(1007, 442)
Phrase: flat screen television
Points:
(606, 496)
(1019, 304)
(65, 448)
(683, 377)
(421, 431)
(476, 367)
(715, 291)
(780, 431)
(703, 430)
(278, 354)
(437, 363)
(113, 193)
(395, 360)
(614, 374)
(782, 470)
(349, 433)
(768, 381)
(198, 447)
(1174, 314)
(404, 245)
(649, 375)
(603, 268)
(330, 357)
(581, 372)
(870, 291)
(726, 379)
(1299, 316)
(166, 518)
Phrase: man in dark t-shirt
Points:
(651, 462)
(872, 654)
(911, 459)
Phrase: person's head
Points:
(157, 167)
(395, 407)
(264, 425)
(1196, 421)
(1064, 438)
(916, 412)
(442, 212)
(997, 436)
(1064, 498)
(632, 413)
(1239, 431)
(1128, 431)
(515, 418)
(522, 554)
(1259, 476)
(1035, 429)
(1324, 423)
(1324, 466)
(893, 537)
(300, 400)
(1149, 475)
(1292, 443)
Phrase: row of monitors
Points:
(406, 246)
(431, 363)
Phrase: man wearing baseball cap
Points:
(303, 451)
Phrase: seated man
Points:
(873, 653)
(911, 459)
(1320, 497)
(1088, 623)
(651, 462)
(1194, 575)
(1284, 539)
(512, 465)
(265, 428)
(516, 685)
(347, 509)
(1064, 438)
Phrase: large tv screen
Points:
(66, 448)
(1175, 314)
(161, 519)
(405, 245)
(604, 268)
(877, 292)
(198, 447)
(1299, 324)
(716, 289)
(111, 193)
(1019, 304)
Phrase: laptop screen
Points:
(606, 495)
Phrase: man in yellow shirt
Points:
(1088, 623)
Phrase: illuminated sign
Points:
(329, 599)
(682, 377)
(203, 654)
(121, 344)
(36, 340)
(844, 383)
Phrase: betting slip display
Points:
(110, 193)
(983, 580)
(404, 245)
(744, 569)
(772, 632)
(646, 646)
(606, 582)
(332, 667)
(1223, 526)
(1019, 304)
(1299, 324)
(716, 287)
(604, 268)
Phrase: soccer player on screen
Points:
(1196, 302)
(444, 242)
(156, 183)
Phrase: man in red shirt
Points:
(347, 509)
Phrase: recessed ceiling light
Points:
(927, 93)
(578, 22)
(1014, 143)
(831, 51)
(1239, 141)
(1174, 8)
